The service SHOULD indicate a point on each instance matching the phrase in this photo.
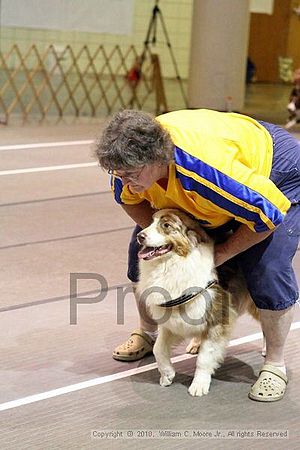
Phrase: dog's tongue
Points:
(147, 253)
(151, 252)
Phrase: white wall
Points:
(218, 53)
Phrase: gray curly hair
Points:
(133, 139)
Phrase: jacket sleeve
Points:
(234, 189)
(253, 199)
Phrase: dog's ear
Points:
(195, 231)
(196, 236)
(192, 236)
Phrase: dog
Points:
(179, 284)
(294, 111)
(293, 106)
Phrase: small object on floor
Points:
(136, 347)
(270, 385)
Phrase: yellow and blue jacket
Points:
(221, 168)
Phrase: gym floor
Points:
(60, 387)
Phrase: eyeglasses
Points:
(130, 175)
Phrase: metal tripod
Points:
(151, 39)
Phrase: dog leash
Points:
(185, 298)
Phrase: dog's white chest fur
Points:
(161, 281)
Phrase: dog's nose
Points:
(141, 237)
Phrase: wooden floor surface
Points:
(58, 218)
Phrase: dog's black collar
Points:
(185, 298)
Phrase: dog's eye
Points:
(166, 225)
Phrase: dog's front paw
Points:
(167, 378)
(200, 385)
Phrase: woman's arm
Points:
(242, 239)
(141, 214)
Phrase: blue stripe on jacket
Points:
(230, 186)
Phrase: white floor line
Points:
(117, 376)
(47, 168)
(44, 145)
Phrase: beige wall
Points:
(270, 36)
(177, 16)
